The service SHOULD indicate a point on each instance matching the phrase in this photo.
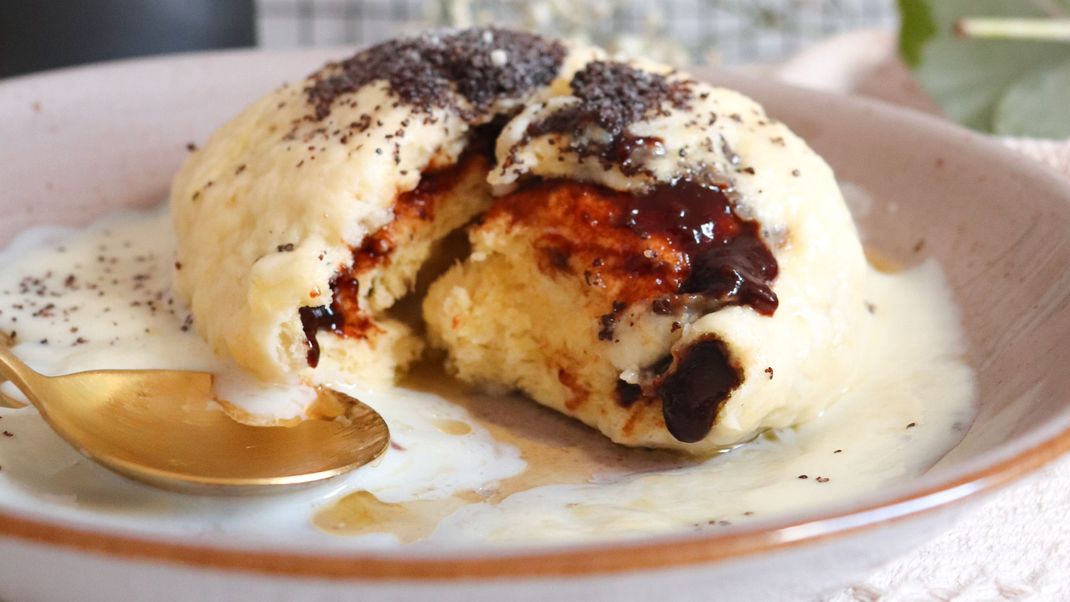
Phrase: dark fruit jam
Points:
(343, 316)
(313, 320)
(677, 246)
(680, 240)
(728, 259)
(693, 391)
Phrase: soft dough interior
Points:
(375, 342)
(527, 310)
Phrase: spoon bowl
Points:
(164, 428)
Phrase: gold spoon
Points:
(163, 427)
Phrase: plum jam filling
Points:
(694, 389)
(313, 320)
(344, 316)
(678, 246)
(728, 261)
(692, 386)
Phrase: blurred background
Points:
(693, 31)
(42, 34)
(997, 66)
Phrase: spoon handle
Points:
(13, 369)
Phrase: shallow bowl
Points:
(77, 143)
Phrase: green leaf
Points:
(917, 27)
(968, 78)
(1037, 105)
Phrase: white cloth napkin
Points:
(1016, 546)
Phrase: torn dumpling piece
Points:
(650, 254)
(307, 217)
(664, 262)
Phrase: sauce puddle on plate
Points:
(362, 513)
(463, 466)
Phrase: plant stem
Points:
(1041, 30)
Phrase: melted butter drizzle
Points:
(558, 451)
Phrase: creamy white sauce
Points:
(911, 403)
(98, 298)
